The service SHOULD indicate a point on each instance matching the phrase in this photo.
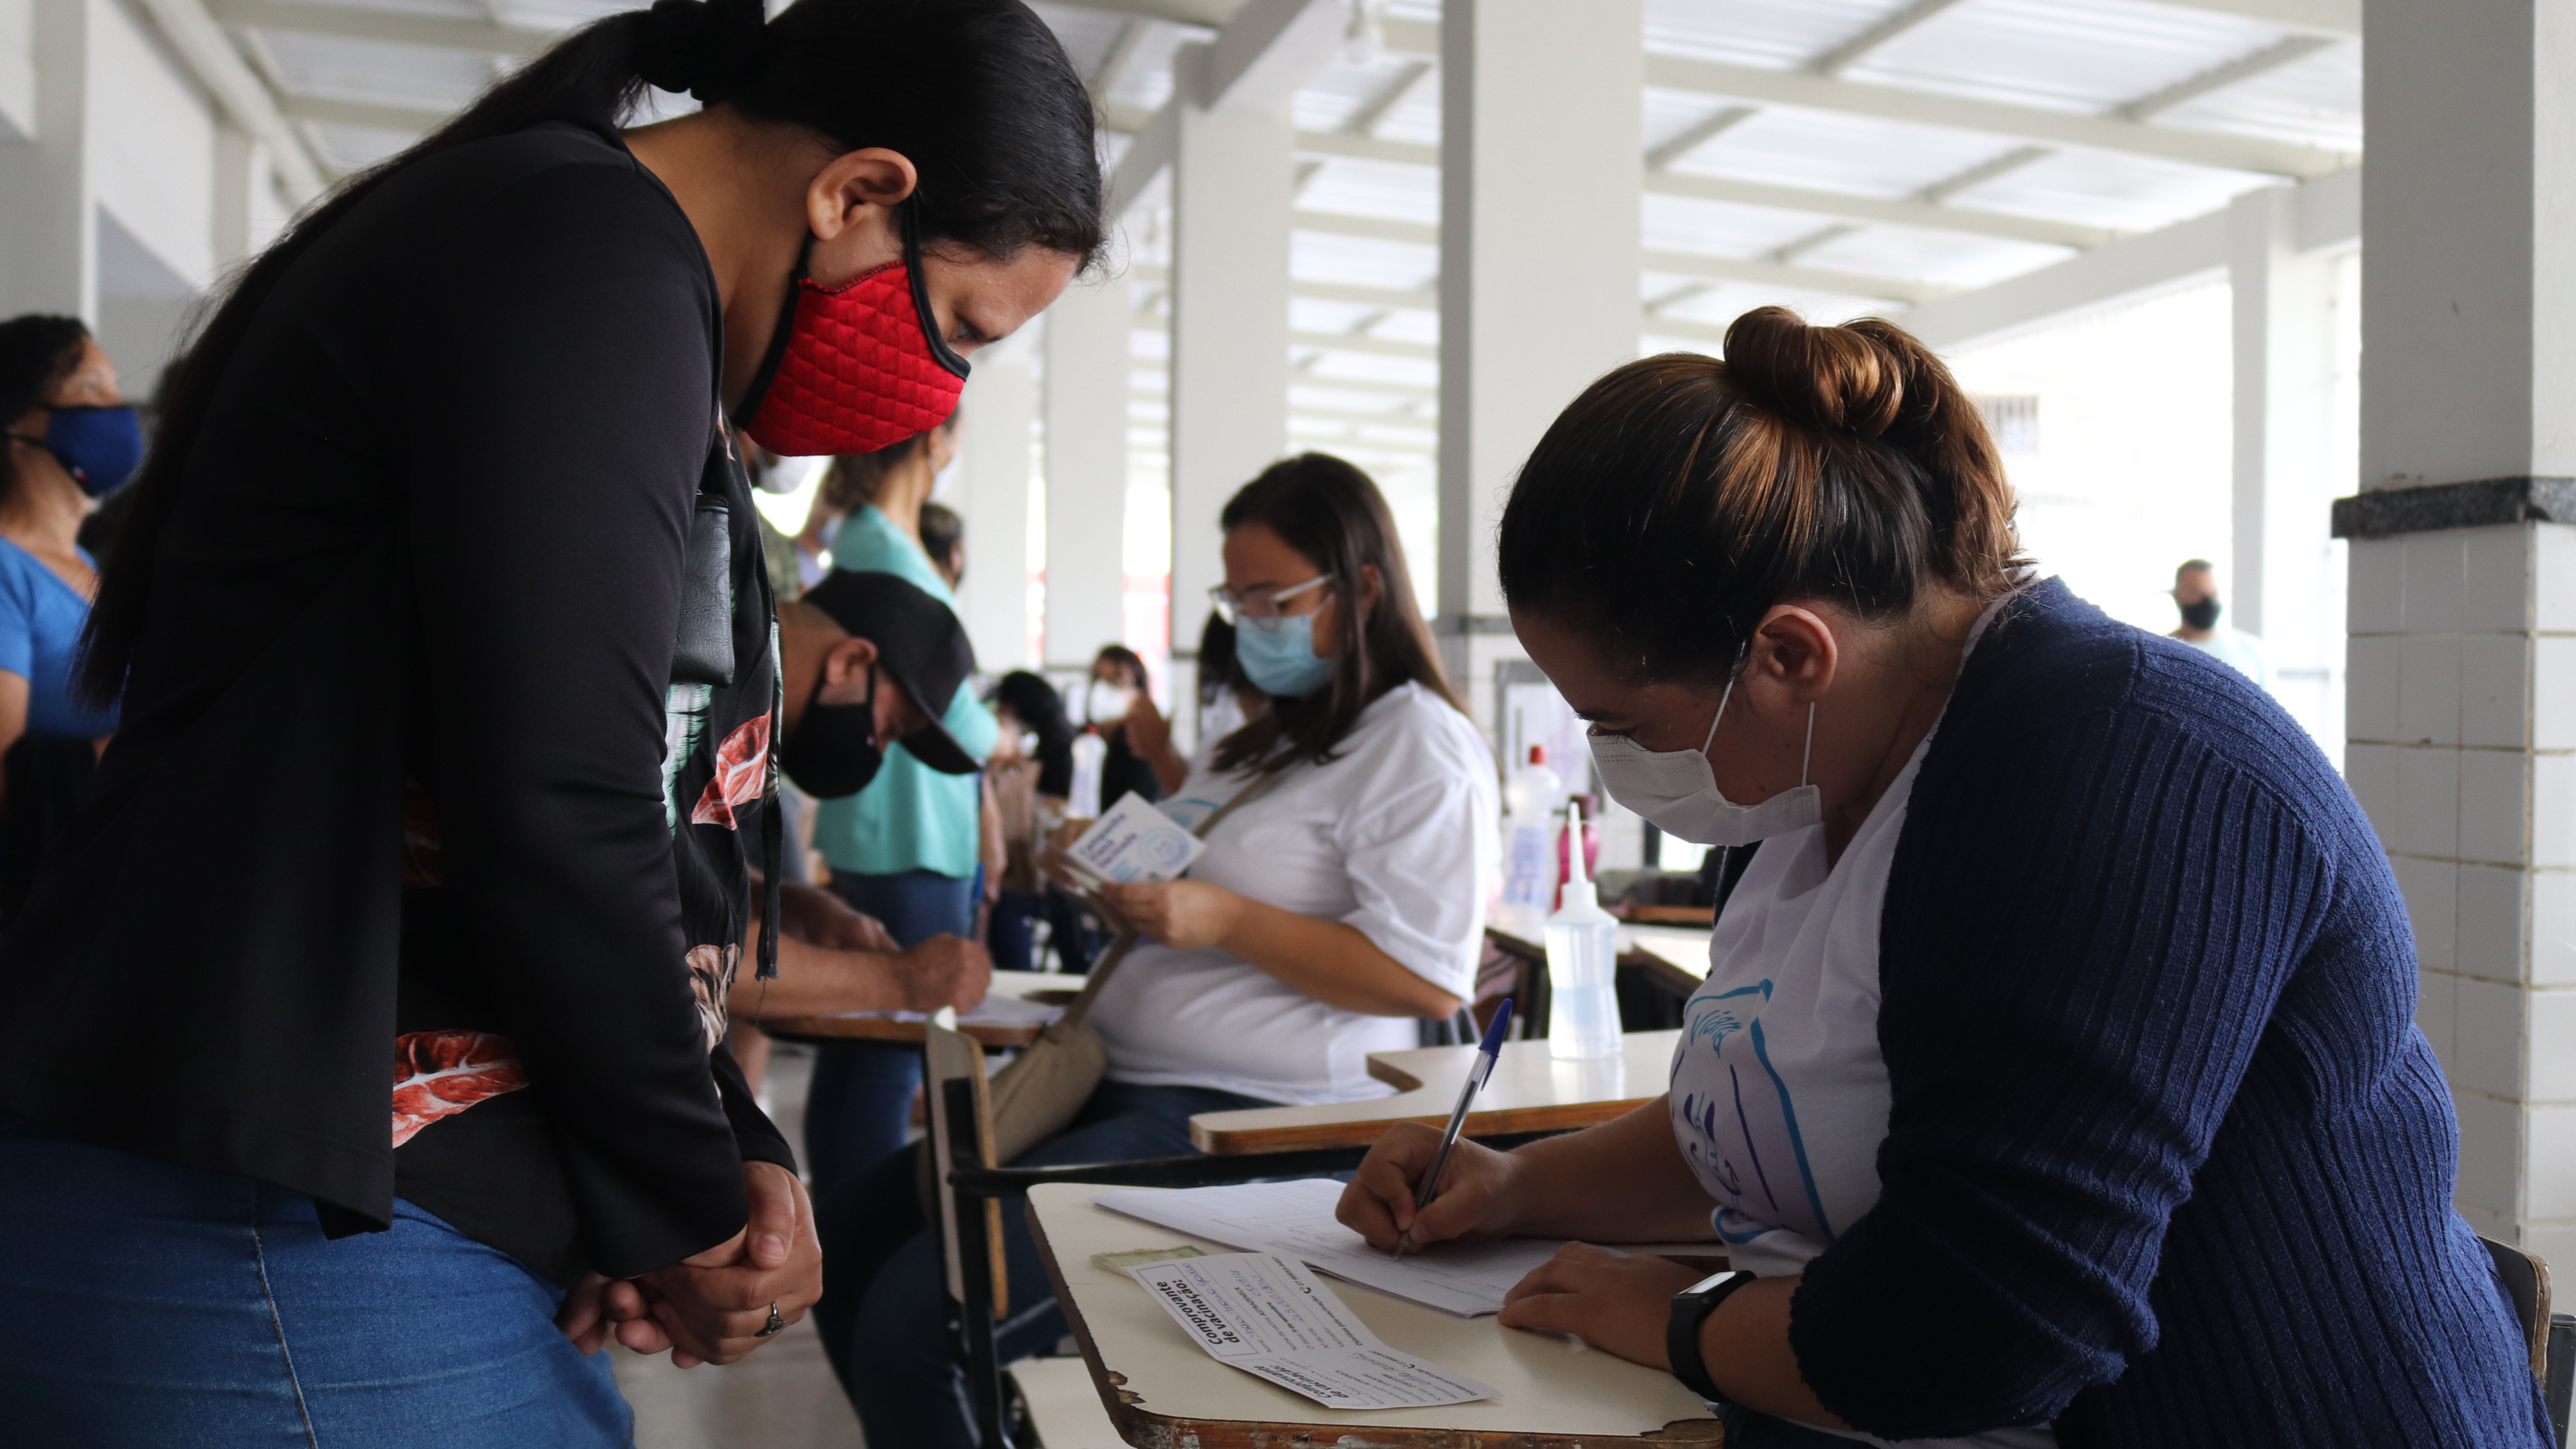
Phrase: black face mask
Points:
(834, 750)
(2200, 614)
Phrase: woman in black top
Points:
(445, 651)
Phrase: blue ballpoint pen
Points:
(1488, 1051)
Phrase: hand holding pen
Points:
(1488, 1052)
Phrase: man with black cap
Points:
(865, 660)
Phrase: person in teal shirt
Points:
(905, 849)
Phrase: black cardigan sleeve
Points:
(560, 408)
(2089, 919)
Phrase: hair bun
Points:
(708, 48)
(1824, 377)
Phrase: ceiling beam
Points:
(1717, 123)
(1355, 342)
(1855, 50)
(2245, 67)
(1418, 299)
(2057, 128)
(373, 115)
(1883, 210)
(1792, 277)
(399, 27)
(244, 97)
(1886, 211)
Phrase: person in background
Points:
(1328, 915)
(864, 660)
(1227, 701)
(2195, 593)
(1025, 703)
(907, 848)
(72, 440)
(1119, 685)
(943, 537)
(1032, 717)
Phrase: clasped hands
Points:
(711, 1308)
(1620, 1304)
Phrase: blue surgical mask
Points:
(99, 446)
(1278, 655)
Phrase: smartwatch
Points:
(1691, 1308)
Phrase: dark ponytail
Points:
(1680, 498)
(977, 94)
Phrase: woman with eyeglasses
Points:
(1327, 917)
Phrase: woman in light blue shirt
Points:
(71, 439)
(905, 849)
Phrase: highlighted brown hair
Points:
(1680, 497)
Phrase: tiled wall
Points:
(2462, 727)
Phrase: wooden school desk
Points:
(1010, 1024)
(1164, 1392)
(1529, 1092)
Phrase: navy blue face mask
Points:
(99, 446)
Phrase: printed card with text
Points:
(1272, 1318)
(1134, 843)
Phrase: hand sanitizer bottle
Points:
(1582, 962)
(1530, 800)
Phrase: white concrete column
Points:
(1086, 468)
(2462, 695)
(1231, 205)
(996, 425)
(49, 228)
(2283, 582)
(1540, 186)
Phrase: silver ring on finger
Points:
(774, 1324)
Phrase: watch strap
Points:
(1691, 1308)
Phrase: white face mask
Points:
(1107, 702)
(1677, 792)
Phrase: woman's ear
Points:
(851, 183)
(1794, 655)
(1372, 588)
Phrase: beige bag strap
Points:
(1102, 969)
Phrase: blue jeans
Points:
(885, 1294)
(860, 1101)
(150, 1303)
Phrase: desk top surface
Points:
(1529, 1092)
(1003, 1021)
(1164, 1392)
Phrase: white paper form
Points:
(1134, 842)
(1295, 1220)
(1268, 1316)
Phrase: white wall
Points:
(17, 69)
(152, 143)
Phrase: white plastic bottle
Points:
(1582, 966)
(1090, 752)
(1531, 798)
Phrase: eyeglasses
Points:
(1234, 607)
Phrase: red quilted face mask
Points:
(854, 368)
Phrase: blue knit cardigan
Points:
(2167, 1161)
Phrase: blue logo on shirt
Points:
(1737, 1124)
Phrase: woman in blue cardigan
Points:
(2054, 1080)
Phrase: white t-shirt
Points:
(1398, 837)
(1779, 1095)
(2239, 650)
